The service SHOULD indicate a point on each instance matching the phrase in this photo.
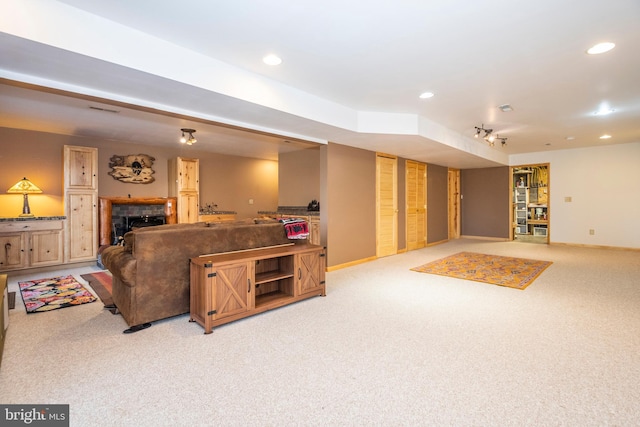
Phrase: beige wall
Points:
(37, 156)
(437, 203)
(351, 204)
(299, 177)
(486, 202)
(228, 181)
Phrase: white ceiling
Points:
(351, 73)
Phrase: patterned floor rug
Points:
(51, 294)
(493, 269)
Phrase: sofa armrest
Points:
(121, 264)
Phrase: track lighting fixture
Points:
(190, 139)
(489, 136)
(479, 130)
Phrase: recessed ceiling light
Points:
(570, 138)
(505, 107)
(605, 136)
(272, 60)
(601, 48)
(426, 95)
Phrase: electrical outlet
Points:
(592, 231)
(250, 201)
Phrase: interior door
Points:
(386, 205)
(454, 203)
(416, 193)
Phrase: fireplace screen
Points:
(130, 223)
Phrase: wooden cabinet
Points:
(26, 244)
(184, 184)
(81, 203)
(314, 230)
(13, 252)
(230, 286)
(223, 217)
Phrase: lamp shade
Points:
(24, 186)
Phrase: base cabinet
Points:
(230, 286)
(27, 244)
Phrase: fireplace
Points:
(124, 224)
(163, 210)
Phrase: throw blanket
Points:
(296, 228)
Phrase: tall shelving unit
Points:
(530, 201)
(521, 200)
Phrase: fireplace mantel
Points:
(106, 206)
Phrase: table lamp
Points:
(25, 187)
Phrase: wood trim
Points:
(494, 239)
(582, 245)
(351, 263)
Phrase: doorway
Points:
(531, 212)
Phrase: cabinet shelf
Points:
(271, 297)
(270, 276)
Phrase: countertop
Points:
(33, 218)
(290, 210)
(218, 213)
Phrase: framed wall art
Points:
(132, 168)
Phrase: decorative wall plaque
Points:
(132, 168)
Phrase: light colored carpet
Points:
(386, 346)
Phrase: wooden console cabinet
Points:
(233, 285)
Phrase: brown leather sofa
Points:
(151, 271)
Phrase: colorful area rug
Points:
(52, 294)
(496, 270)
(100, 282)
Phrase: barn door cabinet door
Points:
(310, 268)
